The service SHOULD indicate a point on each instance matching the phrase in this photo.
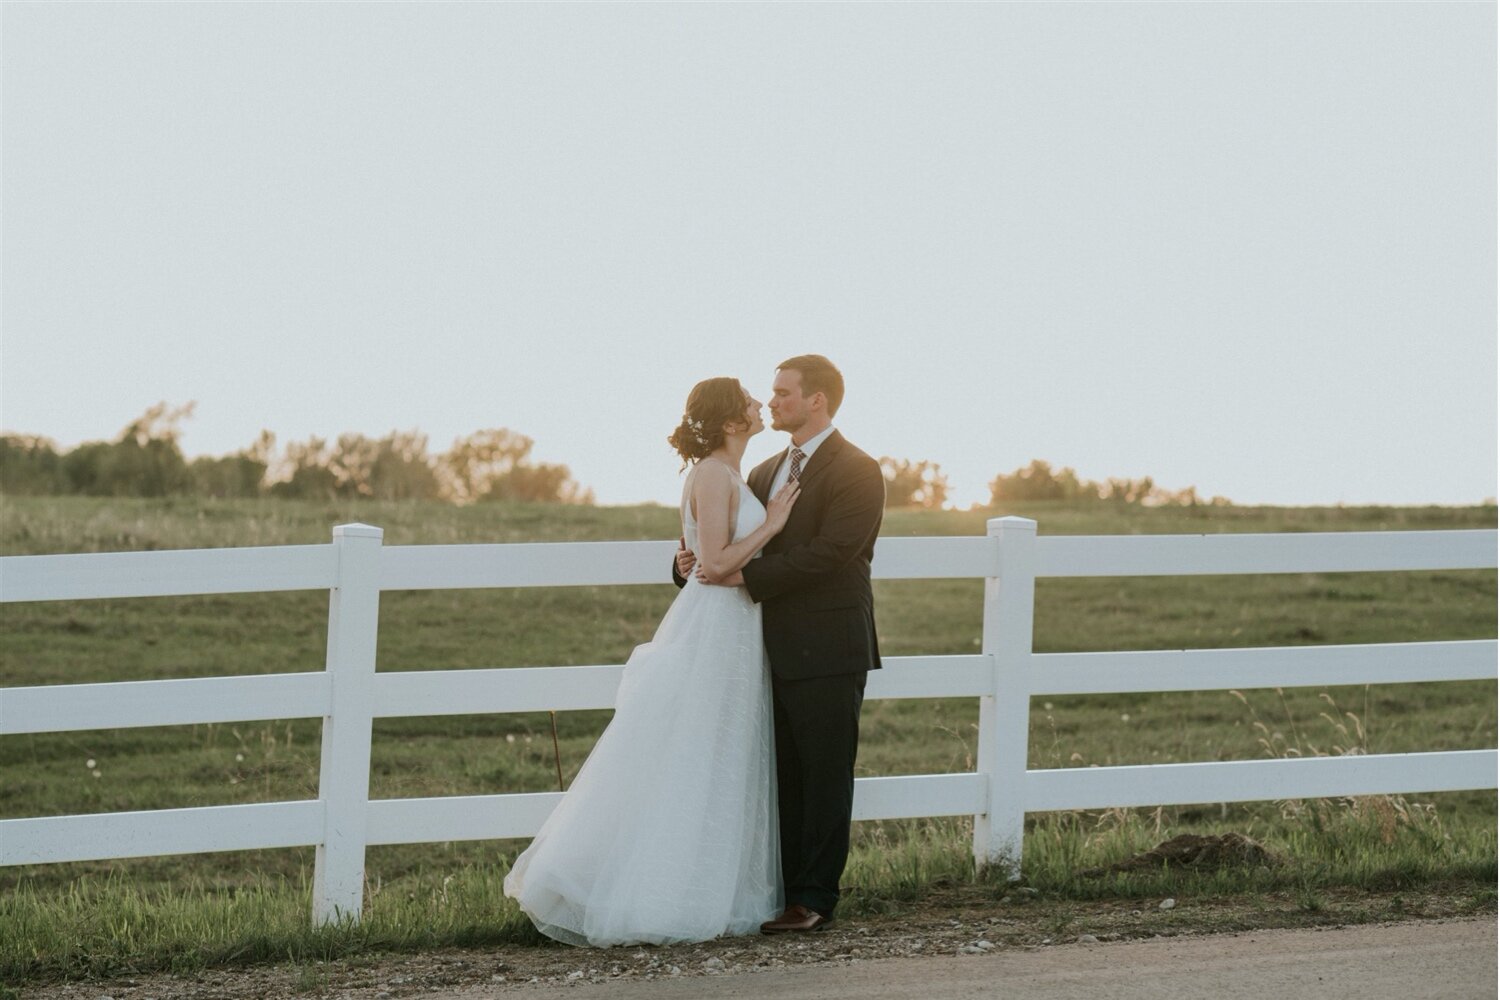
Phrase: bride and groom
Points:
(718, 799)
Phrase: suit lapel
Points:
(763, 475)
(822, 457)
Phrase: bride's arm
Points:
(713, 496)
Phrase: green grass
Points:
(115, 925)
(233, 907)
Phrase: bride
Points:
(669, 832)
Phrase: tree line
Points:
(923, 485)
(146, 460)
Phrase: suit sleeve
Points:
(677, 577)
(849, 527)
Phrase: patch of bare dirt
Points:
(1196, 851)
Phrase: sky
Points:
(1249, 247)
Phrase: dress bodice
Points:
(748, 517)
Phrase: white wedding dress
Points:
(669, 831)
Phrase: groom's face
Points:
(788, 405)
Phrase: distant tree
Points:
(153, 469)
(395, 467)
(538, 483)
(226, 476)
(241, 474)
(1039, 481)
(476, 461)
(492, 464)
(159, 423)
(303, 472)
(145, 461)
(352, 462)
(402, 469)
(1189, 497)
(1064, 484)
(913, 484)
(1036, 481)
(1128, 490)
(31, 466)
(83, 468)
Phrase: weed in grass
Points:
(1481, 901)
(312, 978)
(900, 862)
(1359, 819)
(1310, 901)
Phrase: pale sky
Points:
(1245, 246)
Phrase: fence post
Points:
(1004, 716)
(344, 777)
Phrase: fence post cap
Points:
(357, 530)
(1010, 523)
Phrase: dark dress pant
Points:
(817, 736)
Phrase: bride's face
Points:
(752, 416)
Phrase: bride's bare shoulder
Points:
(712, 475)
(714, 488)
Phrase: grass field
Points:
(234, 907)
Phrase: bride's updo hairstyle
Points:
(713, 403)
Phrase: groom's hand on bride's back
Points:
(685, 559)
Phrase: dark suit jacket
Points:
(813, 579)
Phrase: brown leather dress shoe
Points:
(796, 918)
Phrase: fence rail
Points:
(348, 694)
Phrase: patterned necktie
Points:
(796, 474)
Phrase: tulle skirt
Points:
(669, 832)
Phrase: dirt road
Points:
(1449, 960)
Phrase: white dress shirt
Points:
(785, 471)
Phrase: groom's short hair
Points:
(818, 375)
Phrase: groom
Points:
(813, 584)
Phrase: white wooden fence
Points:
(1004, 676)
